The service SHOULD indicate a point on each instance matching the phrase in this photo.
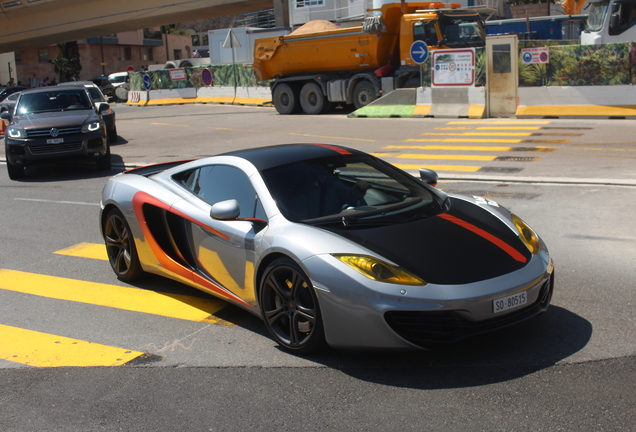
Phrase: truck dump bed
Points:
(347, 49)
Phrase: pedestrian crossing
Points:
(500, 146)
(40, 349)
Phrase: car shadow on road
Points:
(70, 171)
(495, 357)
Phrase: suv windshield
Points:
(349, 190)
(54, 100)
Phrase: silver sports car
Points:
(329, 246)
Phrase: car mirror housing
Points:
(104, 107)
(225, 210)
(5, 116)
(429, 176)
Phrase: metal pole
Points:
(101, 46)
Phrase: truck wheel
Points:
(286, 99)
(363, 94)
(312, 100)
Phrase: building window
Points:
(127, 53)
(18, 57)
(177, 55)
(148, 55)
(43, 55)
(309, 3)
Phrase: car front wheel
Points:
(289, 306)
(120, 247)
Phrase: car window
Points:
(215, 183)
(14, 97)
(96, 94)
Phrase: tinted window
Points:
(54, 100)
(217, 183)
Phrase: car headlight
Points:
(14, 132)
(379, 270)
(90, 126)
(527, 235)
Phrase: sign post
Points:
(419, 54)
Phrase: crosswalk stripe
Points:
(527, 134)
(178, 306)
(473, 148)
(46, 350)
(489, 140)
(462, 168)
(86, 250)
(502, 122)
(449, 157)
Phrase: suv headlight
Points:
(90, 126)
(15, 132)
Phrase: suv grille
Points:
(39, 133)
(40, 149)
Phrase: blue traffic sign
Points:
(147, 82)
(419, 52)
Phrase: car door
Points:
(225, 249)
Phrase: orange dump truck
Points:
(317, 66)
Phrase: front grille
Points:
(425, 328)
(41, 133)
(41, 149)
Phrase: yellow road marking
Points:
(169, 124)
(509, 128)
(230, 129)
(462, 168)
(491, 140)
(503, 122)
(462, 148)
(133, 299)
(450, 157)
(86, 250)
(46, 350)
(480, 133)
(331, 137)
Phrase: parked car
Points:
(99, 98)
(6, 91)
(55, 124)
(118, 78)
(106, 87)
(329, 245)
(8, 104)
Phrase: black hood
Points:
(464, 245)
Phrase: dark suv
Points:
(53, 123)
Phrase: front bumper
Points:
(33, 150)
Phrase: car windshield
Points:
(350, 190)
(54, 100)
(117, 79)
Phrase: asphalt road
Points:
(572, 368)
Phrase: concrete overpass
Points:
(26, 24)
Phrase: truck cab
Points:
(610, 21)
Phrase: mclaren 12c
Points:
(329, 246)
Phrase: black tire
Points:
(112, 135)
(286, 99)
(290, 309)
(363, 94)
(120, 247)
(15, 171)
(103, 162)
(312, 100)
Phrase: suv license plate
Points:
(55, 141)
(510, 302)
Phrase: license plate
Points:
(510, 302)
(55, 141)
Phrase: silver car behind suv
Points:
(54, 123)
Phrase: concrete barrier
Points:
(447, 102)
(617, 101)
(223, 95)
(398, 103)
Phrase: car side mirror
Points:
(103, 107)
(429, 176)
(5, 116)
(225, 210)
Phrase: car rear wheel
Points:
(112, 135)
(289, 306)
(120, 247)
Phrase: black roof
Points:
(267, 157)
